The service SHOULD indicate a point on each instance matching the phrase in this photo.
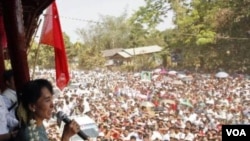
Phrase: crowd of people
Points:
(168, 106)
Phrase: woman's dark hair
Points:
(32, 91)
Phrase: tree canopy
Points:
(208, 35)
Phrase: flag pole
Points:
(35, 61)
(36, 53)
(33, 39)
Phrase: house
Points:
(143, 50)
(108, 54)
(119, 55)
(127, 54)
(111, 52)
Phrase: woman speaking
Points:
(36, 104)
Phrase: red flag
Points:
(52, 35)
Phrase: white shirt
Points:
(133, 134)
(10, 94)
(189, 137)
(11, 97)
(7, 122)
(156, 135)
(66, 109)
(166, 137)
(86, 106)
(192, 117)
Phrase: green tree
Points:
(38, 55)
(113, 32)
(151, 14)
(89, 58)
(210, 34)
(110, 32)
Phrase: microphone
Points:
(61, 116)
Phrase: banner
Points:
(52, 35)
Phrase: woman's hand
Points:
(70, 130)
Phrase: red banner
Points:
(52, 35)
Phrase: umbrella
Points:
(163, 71)
(168, 101)
(181, 76)
(155, 77)
(222, 75)
(157, 70)
(147, 104)
(186, 103)
(172, 72)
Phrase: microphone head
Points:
(60, 115)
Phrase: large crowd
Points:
(158, 105)
(168, 107)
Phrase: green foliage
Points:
(128, 67)
(205, 37)
(111, 32)
(39, 55)
(90, 58)
(115, 32)
(210, 34)
(152, 14)
(144, 62)
(7, 64)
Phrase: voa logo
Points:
(236, 132)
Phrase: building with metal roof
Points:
(143, 50)
(111, 52)
(121, 55)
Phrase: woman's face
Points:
(44, 105)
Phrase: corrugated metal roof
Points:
(127, 53)
(143, 50)
(111, 52)
(124, 54)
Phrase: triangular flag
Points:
(52, 35)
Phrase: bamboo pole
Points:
(35, 61)
(36, 53)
